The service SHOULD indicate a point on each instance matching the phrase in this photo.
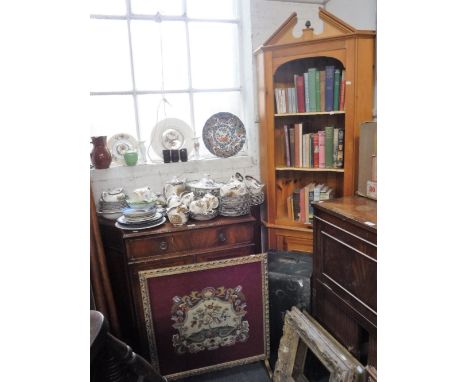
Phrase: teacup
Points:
(112, 196)
(178, 215)
(199, 206)
(187, 198)
(142, 194)
(213, 201)
(173, 201)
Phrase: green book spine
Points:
(317, 90)
(312, 92)
(336, 90)
(329, 146)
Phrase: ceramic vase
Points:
(100, 155)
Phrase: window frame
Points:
(245, 68)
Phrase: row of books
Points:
(301, 203)
(323, 149)
(314, 91)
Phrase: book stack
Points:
(313, 91)
(301, 203)
(322, 149)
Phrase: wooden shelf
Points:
(311, 113)
(287, 224)
(308, 169)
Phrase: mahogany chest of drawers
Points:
(345, 273)
(129, 252)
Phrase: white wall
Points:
(266, 16)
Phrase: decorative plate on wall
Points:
(224, 134)
(171, 134)
(118, 144)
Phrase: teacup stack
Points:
(111, 203)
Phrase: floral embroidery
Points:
(209, 319)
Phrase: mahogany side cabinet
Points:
(129, 252)
(344, 296)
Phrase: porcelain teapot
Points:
(113, 195)
(174, 186)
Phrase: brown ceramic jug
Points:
(100, 156)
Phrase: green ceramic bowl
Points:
(131, 158)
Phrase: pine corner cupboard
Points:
(280, 60)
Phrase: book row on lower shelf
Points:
(301, 203)
(322, 149)
(313, 91)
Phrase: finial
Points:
(307, 24)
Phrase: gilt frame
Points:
(301, 329)
(193, 269)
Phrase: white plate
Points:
(135, 228)
(155, 217)
(171, 134)
(118, 144)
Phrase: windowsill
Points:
(201, 166)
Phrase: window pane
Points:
(152, 110)
(112, 114)
(152, 7)
(217, 9)
(108, 7)
(110, 57)
(207, 104)
(146, 43)
(214, 54)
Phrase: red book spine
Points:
(298, 141)
(316, 150)
(300, 94)
(342, 90)
(286, 144)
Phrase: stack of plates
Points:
(136, 219)
(111, 210)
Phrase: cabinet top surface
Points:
(356, 208)
(192, 225)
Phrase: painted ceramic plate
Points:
(224, 134)
(139, 227)
(171, 134)
(120, 143)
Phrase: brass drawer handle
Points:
(163, 245)
(222, 237)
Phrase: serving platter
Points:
(118, 144)
(139, 227)
(224, 134)
(171, 134)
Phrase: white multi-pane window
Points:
(185, 51)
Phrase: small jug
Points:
(174, 186)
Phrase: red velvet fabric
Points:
(162, 289)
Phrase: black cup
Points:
(167, 156)
(183, 155)
(174, 155)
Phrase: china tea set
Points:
(202, 199)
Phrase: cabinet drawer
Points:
(226, 254)
(155, 246)
(221, 236)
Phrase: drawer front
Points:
(221, 236)
(227, 254)
(157, 245)
(347, 264)
(349, 270)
